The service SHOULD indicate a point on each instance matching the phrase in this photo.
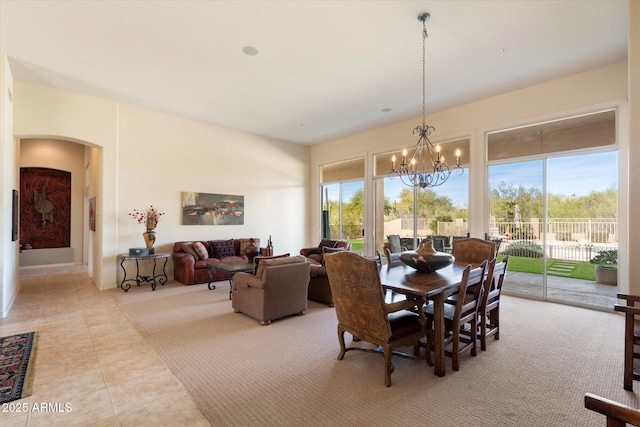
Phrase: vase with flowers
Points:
(149, 218)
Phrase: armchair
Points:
(362, 311)
(278, 289)
(316, 254)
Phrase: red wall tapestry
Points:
(45, 208)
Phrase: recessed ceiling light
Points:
(386, 110)
(250, 51)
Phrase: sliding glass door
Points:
(343, 212)
(555, 211)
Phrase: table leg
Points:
(162, 278)
(153, 275)
(124, 278)
(209, 285)
(438, 326)
(231, 284)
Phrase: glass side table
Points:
(154, 279)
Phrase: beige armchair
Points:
(278, 289)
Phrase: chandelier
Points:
(424, 166)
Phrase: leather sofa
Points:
(190, 269)
(278, 289)
(316, 253)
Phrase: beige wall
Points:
(9, 283)
(69, 157)
(577, 94)
(140, 158)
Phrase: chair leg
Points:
(387, 366)
(343, 347)
(628, 365)
(483, 332)
(473, 335)
(495, 321)
(455, 350)
(429, 347)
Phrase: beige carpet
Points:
(286, 374)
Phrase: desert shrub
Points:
(524, 249)
(605, 258)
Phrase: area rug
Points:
(17, 363)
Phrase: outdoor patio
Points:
(576, 291)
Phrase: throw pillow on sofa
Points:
(223, 249)
(189, 248)
(201, 250)
(244, 244)
(326, 250)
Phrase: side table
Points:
(138, 279)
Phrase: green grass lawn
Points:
(583, 270)
(356, 244)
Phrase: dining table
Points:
(435, 286)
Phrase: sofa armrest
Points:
(309, 251)
(183, 259)
(246, 280)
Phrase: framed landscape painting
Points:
(212, 209)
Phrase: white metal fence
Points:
(578, 239)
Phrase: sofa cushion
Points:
(327, 243)
(244, 244)
(222, 248)
(260, 258)
(326, 250)
(189, 248)
(201, 250)
(278, 261)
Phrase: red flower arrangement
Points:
(149, 218)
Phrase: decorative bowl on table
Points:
(426, 259)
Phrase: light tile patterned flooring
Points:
(90, 357)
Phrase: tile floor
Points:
(90, 357)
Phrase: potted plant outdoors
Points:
(607, 267)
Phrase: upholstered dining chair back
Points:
(358, 295)
(361, 310)
(473, 250)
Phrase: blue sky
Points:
(576, 175)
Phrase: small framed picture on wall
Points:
(14, 217)
(92, 214)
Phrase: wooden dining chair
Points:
(461, 319)
(362, 311)
(631, 337)
(618, 415)
(489, 303)
(473, 250)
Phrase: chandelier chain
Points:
(424, 71)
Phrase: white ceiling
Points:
(326, 69)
